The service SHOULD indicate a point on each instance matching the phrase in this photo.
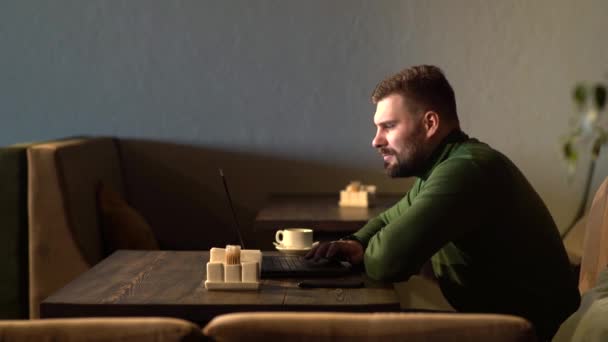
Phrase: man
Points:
(492, 243)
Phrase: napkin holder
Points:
(358, 195)
(242, 276)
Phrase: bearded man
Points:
(491, 241)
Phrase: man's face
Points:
(400, 137)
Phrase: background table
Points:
(317, 211)
(170, 283)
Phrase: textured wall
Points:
(291, 79)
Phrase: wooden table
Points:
(319, 212)
(170, 283)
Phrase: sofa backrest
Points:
(179, 192)
(339, 326)
(141, 329)
(595, 251)
(64, 235)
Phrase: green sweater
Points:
(492, 242)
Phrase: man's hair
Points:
(424, 86)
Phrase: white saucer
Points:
(290, 250)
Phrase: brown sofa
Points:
(590, 321)
(322, 326)
(51, 234)
(65, 237)
(148, 329)
(14, 238)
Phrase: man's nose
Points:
(379, 140)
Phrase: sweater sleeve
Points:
(370, 229)
(447, 206)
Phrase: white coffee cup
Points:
(294, 237)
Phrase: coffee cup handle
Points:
(279, 237)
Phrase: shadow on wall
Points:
(178, 189)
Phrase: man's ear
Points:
(430, 121)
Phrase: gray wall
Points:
(291, 79)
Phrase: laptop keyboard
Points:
(288, 266)
(284, 263)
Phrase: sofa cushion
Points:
(122, 226)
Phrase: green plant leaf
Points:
(580, 95)
(569, 152)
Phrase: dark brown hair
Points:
(424, 86)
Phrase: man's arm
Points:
(449, 204)
(374, 225)
(352, 247)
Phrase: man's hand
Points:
(350, 250)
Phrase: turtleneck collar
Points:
(455, 137)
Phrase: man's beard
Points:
(409, 166)
(409, 163)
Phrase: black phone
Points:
(331, 283)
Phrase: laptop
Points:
(295, 266)
(290, 266)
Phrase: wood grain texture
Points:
(170, 283)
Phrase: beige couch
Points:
(322, 326)
(65, 238)
(590, 322)
(149, 329)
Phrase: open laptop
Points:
(295, 266)
(290, 266)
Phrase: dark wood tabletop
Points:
(318, 211)
(171, 283)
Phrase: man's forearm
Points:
(364, 234)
